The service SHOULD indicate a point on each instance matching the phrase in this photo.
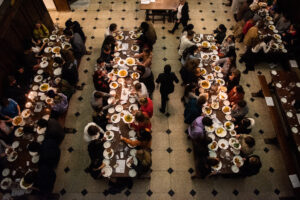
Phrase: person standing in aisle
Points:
(166, 80)
(182, 15)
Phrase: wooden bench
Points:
(287, 154)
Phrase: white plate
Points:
(35, 159)
(19, 132)
(113, 85)
(109, 127)
(135, 75)
(132, 173)
(228, 112)
(40, 130)
(232, 133)
(135, 48)
(236, 152)
(38, 78)
(223, 144)
(215, 146)
(5, 172)
(35, 87)
(40, 138)
(298, 84)
(112, 92)
(210, 129)
(294, 130)
(12, 159)
(44, 64)
(212, 154)
(110, 100)
(235, 169)
(119, 108)
(15, 144)
(124, 73)
(7, 182)
(223, 96)
(53, 37)
(217, 167)
(226, 103)
(107, 144)
(133, 139)
(106, 155)
(57, 71)
(212, 136)
(274, 72)
(26, 113)
(23, 186)
(133, 107)
(132, 133)
(289, 114)
(237, 159)
(111, 110)
(228, 117)
(115, 118)
(28, 105)
(106, 162)
(131, 100)
(283, 100)
(135, 161)
(278, 85)
(121, 80)
(220, 81)
(133, 152)
(47, 49)
(220, 132)
(220, 75)
(40, 71)
(231, 125)
(109, 135)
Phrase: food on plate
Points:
(130, 61)
(56, 50)
(217, 68)
(205, 84)
(128, 118)
(202, 71)
(205, 44)
(44, 87)
(117, 59)
(17, 120)
(135, 48)
(214, 47)
(119, 37)
(135, 75)
(123, 73)
(226, 109)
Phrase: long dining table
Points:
(37, 106)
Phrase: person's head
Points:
(138, 86)
(254, 161)
(51, 93)
(42, 123)
(230, 38)
(189, 88)
(67, 55)
(146, 51)
(34, 147)
(239, 89)
(206, 121)
(242, 103)
(38, 24)
(30, 177)
(212, 161)
(98, 95)
(101, 61)
(4, 102)
(69, 24)
(189, 27)
(182, 2)
(140, 117)
(249, 140)
(93, 130)
(145, 135)
(189, 51)
(201, 100)
(143, 101)
(76, 26)
(222, 28)
(246, 122)
(68, 32)
(167, 69)
(106, 49)
(58, 60)
(190, 34)
(144, 26)
(235, 73)
(112, 27)
(109, 40)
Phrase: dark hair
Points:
(201, 100)
(189, 88)
(144, 26)
(268, 39)
(98, 95)
(240, 89)
(68, 32)
(232, 37)
(51, 93)
(206, 121)
(138, 86)
(140, 117)
(67, 55)
(113, 27)
(42, 123)
(212, 161)
(208, 140)
(189, 27)
(190, 33)
(100, 60)
(93, 130)
(254, 160)
(69, 23)
(167, 69)
(189, 51)
(4, 101)
(246, 122)
(109, 40)
(249, 141)
(145, 136)
(242, 103)
(236, 73)
(58, 60)
(34, 147)
(222, 27)
(30, 177)
(106, 48)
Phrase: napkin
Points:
(293, 63)
(115, 128)
(298, 117)
(121, 166)
(294, 180)
(124, 94)
(125, 46)
(145, 1)
(269, 101)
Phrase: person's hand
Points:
(233, 119)
(21, 70)
(237, 136)
(121, 137)
(178, 20)
(36, 67)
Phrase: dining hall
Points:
(149, 99)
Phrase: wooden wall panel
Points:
(62, 5)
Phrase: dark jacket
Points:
(55, 131)
(166, 82)
(185, 12)
(192, 111)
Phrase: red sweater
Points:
(148, 109)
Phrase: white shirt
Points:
(179, 9)
(184, 43)
(89, 138)
(143, 93)
(260, 46)
(107, 32)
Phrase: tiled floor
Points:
(172, 156)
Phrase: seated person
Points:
(236, 94)
(186, 42)
(78, 46)
(95, 150)
(225, 63)
(141, 90)
(77, 29)
(65, 87)
(40, 31)
(15, 91)
(146, 106)
(243, 127)
(49, 153)
(106, 54)
(92, 132)
(110, 30)
(60, 102)
(196, 129)
(108, 45)
(6, 130)
(251, 166)
(225, 46)
(145, 58)
(102, 65)
(147, 78)
(205, 164)
(247, 144)
(239, 110)
(100, 118)
(99, 100)
(148, 38)
(141, 122)
(220, 33)
(189, 53)
(144, 161)
(185, 30)
(9, 108)
(143, 139)
(189, 93)
(193, 109)
(53, 130)
(233, 79)
(69, 69)
(101, 81)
